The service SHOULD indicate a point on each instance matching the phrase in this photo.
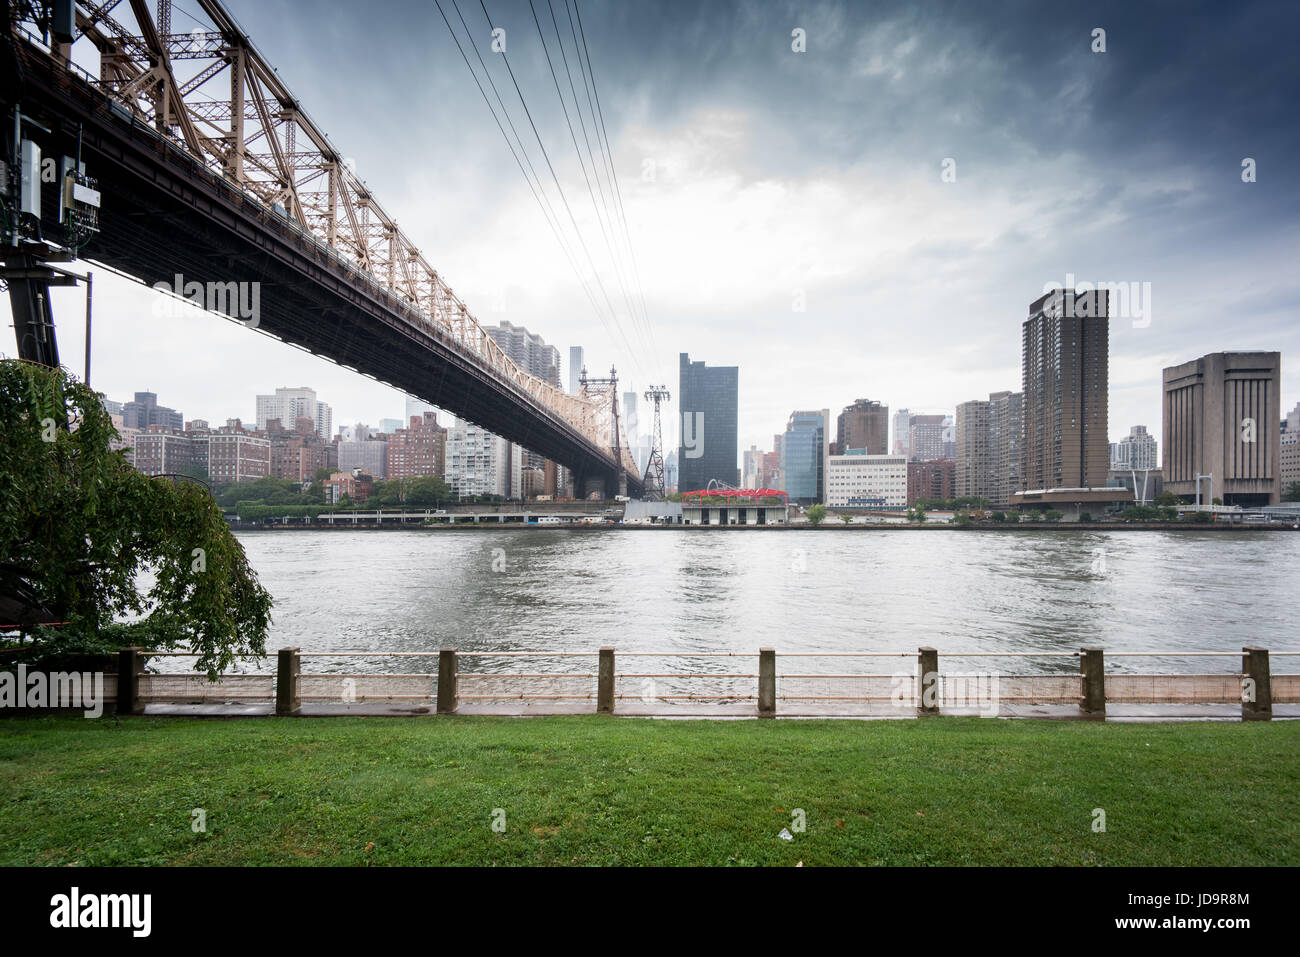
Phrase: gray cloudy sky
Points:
(753, 175)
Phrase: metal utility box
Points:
(29, 195)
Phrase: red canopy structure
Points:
(740, 493)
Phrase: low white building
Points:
(857, 480)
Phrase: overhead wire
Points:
(610, 246)
(599, 116)
(543, 201)
(632, 353)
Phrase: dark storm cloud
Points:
(821, 169)
(889, 83)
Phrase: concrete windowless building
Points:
(1220, 419)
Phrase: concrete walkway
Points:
(718, 710)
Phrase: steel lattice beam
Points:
(215, 97)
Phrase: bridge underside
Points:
(165, 214)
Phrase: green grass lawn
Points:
(598, 790)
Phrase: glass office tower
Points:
(708, 446)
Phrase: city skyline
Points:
(745, 208)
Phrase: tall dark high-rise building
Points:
(1219, 422)
(709, 443)
(863, 425)
(1065, 366)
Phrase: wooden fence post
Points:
(927, 688)
(1092, 666)
(1256, 685)
(767, 682)
(447, 700)
(287, 666)
(605, 682)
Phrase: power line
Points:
(577, 149)
(564, 199)
(542, 201)
(578, 106)
(600, 113)
(605, 154)
(641, 322)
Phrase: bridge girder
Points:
(233, 155)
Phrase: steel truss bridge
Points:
(211, 169)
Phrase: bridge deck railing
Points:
(740, 683)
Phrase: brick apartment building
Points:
(418, 450)
(935, 479)
(236, 454)
(297, 455)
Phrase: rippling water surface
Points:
(796, 590)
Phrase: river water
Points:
(536, 589)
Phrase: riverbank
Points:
(592, 790)
(795, 526)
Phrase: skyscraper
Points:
(288, 405)
(415, 408)
(1290, 448)
(987, 447)
(1220, 415)
(709, 443)
(531, 353)
(752, 472)
(630, 424)
(902, 433)
(974, 470)
(805, 454)
(1006, 437)
(575, 368)
(145, 411)
(863, 425)
(778, 474)
(926, 437)
(528, 350)
(1065, 368)
(1137, 450)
